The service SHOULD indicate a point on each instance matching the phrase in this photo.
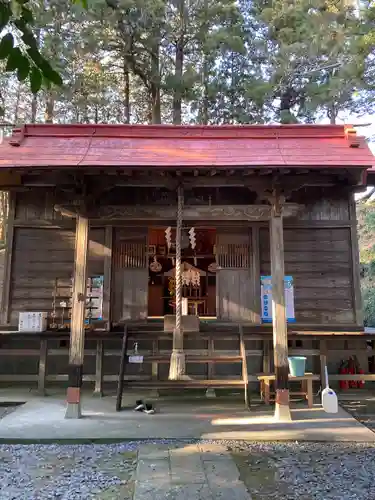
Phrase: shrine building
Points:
(178, 233)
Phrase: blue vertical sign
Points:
(266, 298)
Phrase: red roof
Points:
(48, 145)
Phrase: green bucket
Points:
(297, 366)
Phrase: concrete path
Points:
(43, 419)
(192, 472)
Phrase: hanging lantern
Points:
(212, 268)
(155, 266)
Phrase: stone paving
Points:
(362, 409)
(190, 472)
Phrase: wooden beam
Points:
(257, 180)
(46, 224)
(255, 266)
(77, 335)
(108, 242)
(323, 362)
(98, 391)
(120, 377)
(261, 212)
(266, 356)
(42, 367)
(8, 258)
(279, 321)
(356, 280)
(204, 223)
(177, 364)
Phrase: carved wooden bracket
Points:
(277, 202)
(70, 211)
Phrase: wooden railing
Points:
(154, 356)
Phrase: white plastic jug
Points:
(329, 398)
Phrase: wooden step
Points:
(195, 359)
(186, 384)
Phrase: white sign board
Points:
(32, 321)
(266, 298)
(135, 359)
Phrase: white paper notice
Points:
(135, 359)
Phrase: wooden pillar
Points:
(255, 265)
(356, 279)
(107, 276)
(177, 364)
(98, 391)
(279, 320)
(42, 367)
(8, 258)
(323, 362)
(77, 332)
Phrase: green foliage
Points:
(315, 63)
(202, 61)
(369, 221)
(366, 233)
(16, 19)
(369, 306)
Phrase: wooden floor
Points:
(208, 324)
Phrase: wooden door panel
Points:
(235, 287)
(130, 275)
(134, 298)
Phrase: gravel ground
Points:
(307, 471)
(362, 410)
(67, 472)
(303, 471)
(6, 410)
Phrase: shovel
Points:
(329, 397)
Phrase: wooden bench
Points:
(188, 382)
(306, 383)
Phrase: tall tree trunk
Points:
(332, 113)
(34, 108)
(205, 71)
(126, 93)
(154, 86)
(85, 111)
(155, 104)
(179, 65)
(17, 105)
(34, 102)
(205, 104)
(287, 101)
(232, 89)
(50, 105)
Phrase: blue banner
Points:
(266, 298)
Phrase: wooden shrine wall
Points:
(36, 206)
(320, 262)
(39, 257)
(321, 253)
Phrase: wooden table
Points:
(306, 383)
